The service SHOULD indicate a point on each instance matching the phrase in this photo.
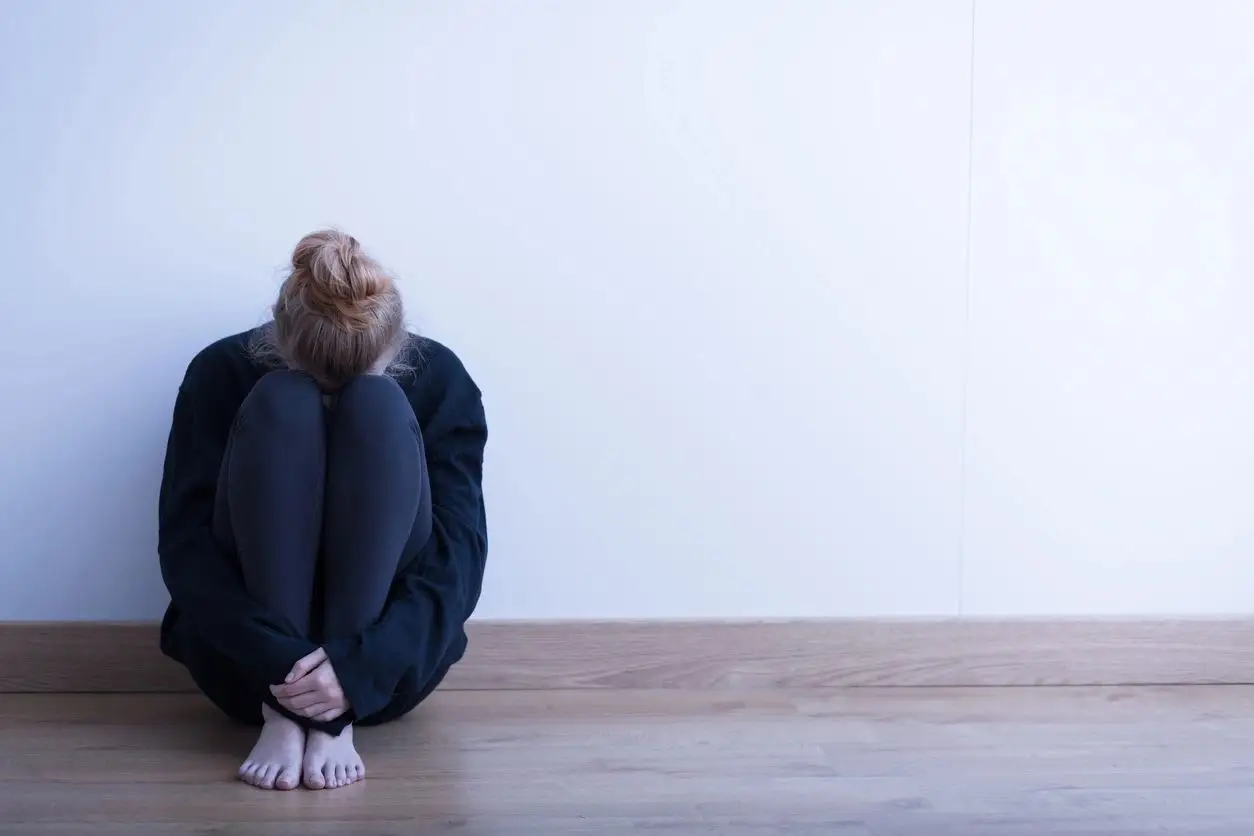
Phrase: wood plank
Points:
(123, 657)
(86, 657)
(858, 762)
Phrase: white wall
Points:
(709, 262)
(1110, 445)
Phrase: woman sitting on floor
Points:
(322, 528)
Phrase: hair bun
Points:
(338, 314)
(337, 279)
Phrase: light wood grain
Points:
(85, 657)
(870, 761)
(113, 657)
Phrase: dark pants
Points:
(323, 505)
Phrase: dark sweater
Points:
(217, 629)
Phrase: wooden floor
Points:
(929, 762)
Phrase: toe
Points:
(313, 777)
(340, 777)
(249, 774)
(328, 775)
(288, 778)
(265, 776)
(244, 769)
(361, 771)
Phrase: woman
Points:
(322, 528)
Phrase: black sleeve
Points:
(205, 583)
(429, 603)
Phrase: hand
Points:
(312, 689)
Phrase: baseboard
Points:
(123, 657)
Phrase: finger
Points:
(327, 716)
(316, 710)
(300, 686)
(303, 701)
(306, 664)
(286, 692)
(307, 711)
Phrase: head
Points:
(339, 314)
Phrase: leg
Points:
(378, 501)
(269, 509)
(270, 492)
(378, 513)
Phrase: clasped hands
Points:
(312, 689)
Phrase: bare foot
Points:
(274, 763)
(332, 762)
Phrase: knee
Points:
(286, 402)
(370, 403)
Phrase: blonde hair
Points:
(338, 313)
